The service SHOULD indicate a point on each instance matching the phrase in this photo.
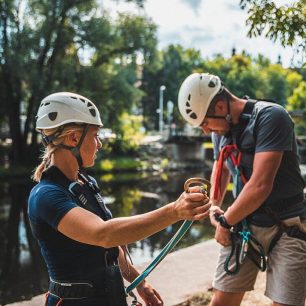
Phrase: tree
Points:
(284, 23)
(238, 73)
(297, 101)
(41, 48)
(170, 68)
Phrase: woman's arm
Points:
(84, 226)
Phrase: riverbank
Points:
(184, 274)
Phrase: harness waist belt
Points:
(68, 290)
(295, 232)
(283, 204)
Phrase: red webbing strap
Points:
(58, 303)
(47, 295)
(234, 154)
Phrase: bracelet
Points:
(223, 222)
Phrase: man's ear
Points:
(220, 106)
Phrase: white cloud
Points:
(209, 26)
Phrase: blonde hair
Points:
(52, 147)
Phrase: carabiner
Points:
(244, 245)
(243, 251)
(198, 181)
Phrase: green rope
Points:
(169, 246)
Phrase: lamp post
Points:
(170, 106)
(161, 106)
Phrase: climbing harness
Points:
(205, 186)
(105, 283)
(243, 242)
(243, 245)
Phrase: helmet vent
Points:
(193, 115)
(212, 83)
(47, 103)
(93, 112)
(52, 116)
(73, 97)
(189, 111)
(83, 100)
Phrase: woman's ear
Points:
(72, 139)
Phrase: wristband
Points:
(223, 222)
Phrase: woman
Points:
(79, 240)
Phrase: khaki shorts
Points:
(286, 267)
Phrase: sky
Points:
(210, 26)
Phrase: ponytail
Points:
(52, 147)
(46, 159)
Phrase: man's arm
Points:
(258, 188)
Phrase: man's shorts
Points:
(286, 267)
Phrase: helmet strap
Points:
(227, 117)
(74, 150)
(48, 139)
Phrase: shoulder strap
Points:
(248, 109)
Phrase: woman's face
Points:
(90, 146)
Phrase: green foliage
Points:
(238, 73)
(48, 46)
(129, 134)
(119, 164)
(169, 68)
(285, 23)
(298, 98)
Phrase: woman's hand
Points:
(193, 205)
(149, 295)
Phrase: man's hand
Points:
(214, 210)
(222, 235)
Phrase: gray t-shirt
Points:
(270, 128)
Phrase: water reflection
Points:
(22, 271)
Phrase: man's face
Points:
(217, 125)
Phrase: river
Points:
(23, 273)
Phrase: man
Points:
(254, 142)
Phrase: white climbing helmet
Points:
(195, 95)
(65, 107)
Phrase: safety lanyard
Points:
(169, 246)
(232, 152)
(174, 240)
(241, 236)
